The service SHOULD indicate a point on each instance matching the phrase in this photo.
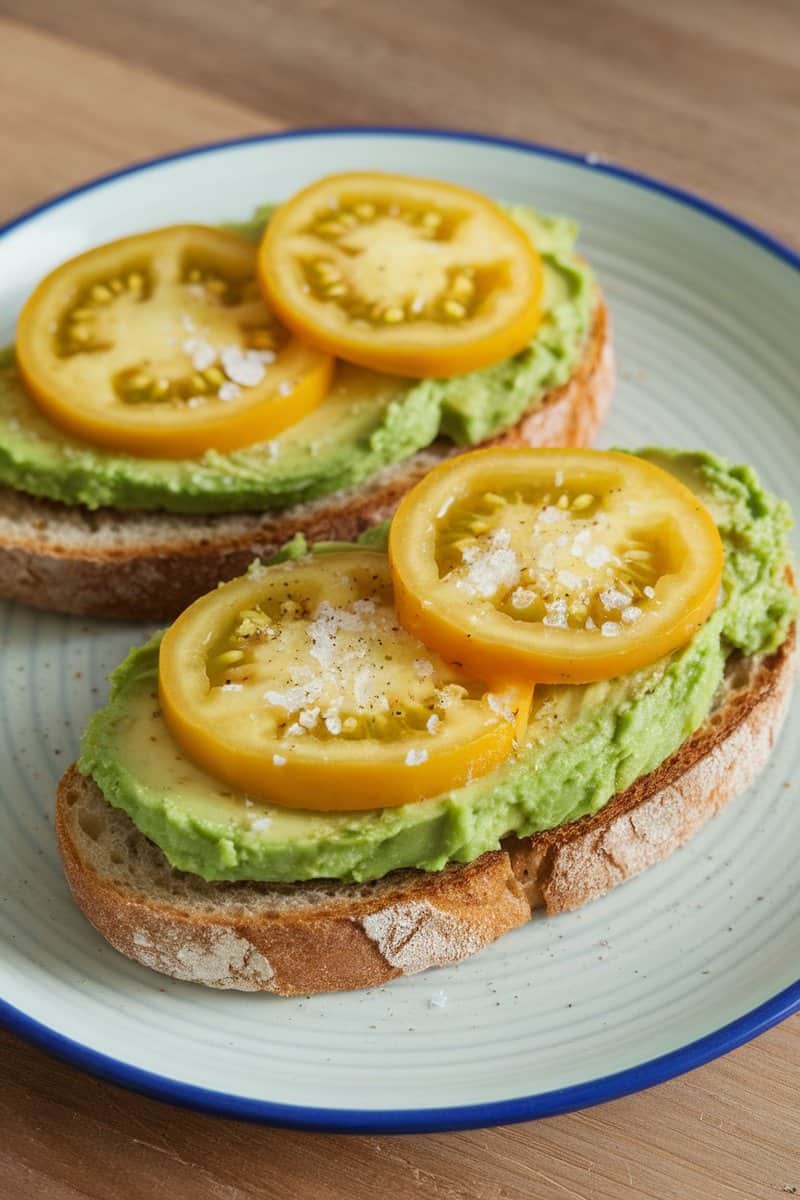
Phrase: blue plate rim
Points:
(419, 1120)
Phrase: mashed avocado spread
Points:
(584, 743)
(366, 422)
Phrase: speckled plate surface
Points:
(694, 957)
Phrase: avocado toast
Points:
(204, 883)
(97, 531)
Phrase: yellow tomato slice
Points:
(409, 276)
(161, 344)
(297, 684)
(560, 566)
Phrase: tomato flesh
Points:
(297, 684)
(409, 276)
(560, 566)
(161, 344)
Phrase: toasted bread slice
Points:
(149, 566)
(315, 937)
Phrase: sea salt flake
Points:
(438, 1000)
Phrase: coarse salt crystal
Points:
(609, 628)
(231, 687)
(438, 1000)
(300, 695)
(285, 388)
(279, 761)
(295, 730)
(522, 597)
(245, 367)
(229, 391)
(490, 569)
(308, 717)
(423, 667)
(333, 724)
(498, 706)
(551, 514)
(432, 723)
(631, 613)
(649, 592)
(559, 478)
(580, 542)
(201, 352)
(598, 556)
(414, 758)
(569, 579)
(614, 598)
(261, 823)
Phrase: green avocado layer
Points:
(584, 743)
(366, 422)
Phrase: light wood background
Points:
(703, 92)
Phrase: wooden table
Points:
(703, 92)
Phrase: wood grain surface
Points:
(703, 92)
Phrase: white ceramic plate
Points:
(675, 967)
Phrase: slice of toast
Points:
(315, 937)
(150, 565)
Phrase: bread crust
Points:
(306, 938)
(137, 566)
